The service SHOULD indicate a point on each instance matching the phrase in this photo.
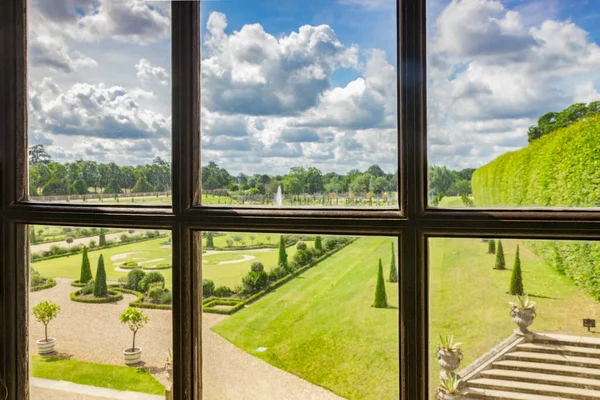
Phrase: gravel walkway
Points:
(92, 332)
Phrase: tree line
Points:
(552, 121)
(300, 180)
(51, 178)
(446, 182)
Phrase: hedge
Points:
(271, 286)
(113, 295)
(139, 303)
(559, 169)
(49, 283)
(78, 284)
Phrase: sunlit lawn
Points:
(469, 299)
(70, 267)
(321, 326)
(99, 375)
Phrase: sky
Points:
(304, 83)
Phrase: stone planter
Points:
(445, 396)
(169, 394)
(523, 317)
(449, 361)
(132, 356)
(46, 347)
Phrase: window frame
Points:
(413, 223)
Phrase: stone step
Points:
(579, 341)
(560, 349)
(567, 370)
(554, 359)
(534, 389)
(477, 393)
(542, 378)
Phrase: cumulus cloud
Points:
(491, 75)
(94, 110)
(251, 72)
(147, 73)
(50, 51)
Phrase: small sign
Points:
(589, 323)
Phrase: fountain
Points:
(279, 197)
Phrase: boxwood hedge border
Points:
(49, 284)
(114, 296)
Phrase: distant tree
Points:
(393, 270)
(492, 247)
(102, 239)
(268, 237)
(319, 244)
(380, 300)
(229, 242)
(37, 154)
(552, 121)
(69, 241)
(100, 287)
(500, 262)
(282, 260)
(237, 238)
(252, 238)
(86, 272)
(209, 241)
(516, 278)
(142, 186)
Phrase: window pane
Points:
(299, 103)
(507, 349)
(305, 328)
(513, 103)
(82, 283)
(99, 101)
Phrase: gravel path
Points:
(115, 237)
(92, 332)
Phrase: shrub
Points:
(277, 273)
(92, 244)
(208, 287)
(380, 300)
(35, 257)
(222, 291)
(257, 266)
(150, 234)
(301, 246)
(516, 279)
(318, 245)
(166, 298)
(100, 288)
(330, 244)
(500, 262)
(44, 312)
(492, 247)
(86, 271)
(229, 242)
(282, 259)
(151, 278)
(35, 279)
(393, 269)
(255, 282)
(209, 241)
(134, 277)
(124, 238)
(155, 292)
(302, 257)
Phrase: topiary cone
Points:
(500, 262)
(100, 288)
(516, 279)
(393, 270)
(492, 247)
(380, 300)
(86, 271)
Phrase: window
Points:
(431, 241)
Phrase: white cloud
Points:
(48, 51)
(147, 73)
(586, 93)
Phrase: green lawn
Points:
(231, 274)
(249, 239)
(99, 375)
(69, 267)
(468, 297)
(321, 326)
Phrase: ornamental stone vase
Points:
(523, 317)
(449, 361)
(447, 396)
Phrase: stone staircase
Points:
(537, 367)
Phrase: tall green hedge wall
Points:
(559, 169)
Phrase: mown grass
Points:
(321, 326)
(99, 375)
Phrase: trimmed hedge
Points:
(113, 296)
(272, 286)
(559, 169)
(139, 303)
(49, 283)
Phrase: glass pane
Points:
(90, 289)
(299, 317)
(299, 103)
(99, 101)
(513, 103)
(543, 343)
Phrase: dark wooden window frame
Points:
(413, 223)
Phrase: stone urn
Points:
(449, 360)
(522, 316)
(46, 347)
(448, 396)
(132, 356)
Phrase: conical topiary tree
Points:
(102, 240)
(492, 247)
(282, 261)
(209, 241)
(380, 300)
(100, 288)
(500, 262)
(516, 278)
(86, 271)
(393, 271)
(318, 244)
